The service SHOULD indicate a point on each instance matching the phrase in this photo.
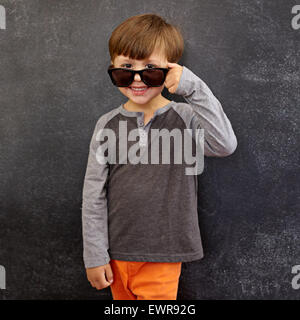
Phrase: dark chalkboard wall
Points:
(53, 89)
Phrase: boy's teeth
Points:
(139, 89)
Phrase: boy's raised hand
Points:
(96, 276)
(173, 77)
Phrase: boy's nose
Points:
(137, 77)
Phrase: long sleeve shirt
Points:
(148, 211)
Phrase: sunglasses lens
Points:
(151, 77)
(154, 77)
(122, 77)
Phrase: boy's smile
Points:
(138, 90)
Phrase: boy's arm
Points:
(219, 138)
(94, 209)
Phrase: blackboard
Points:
(53, 89)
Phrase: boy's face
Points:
(156, 60)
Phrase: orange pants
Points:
(134, 280)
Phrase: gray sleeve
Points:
(219, 137)
(94, 208)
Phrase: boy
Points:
(140, 221)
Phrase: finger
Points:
(172, 89)
(98, 285)
(172, 65)
(169, 82)
(109, 274)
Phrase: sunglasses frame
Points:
(133, 72)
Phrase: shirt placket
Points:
(143, 129)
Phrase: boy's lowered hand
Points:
(173, 77)
(96, 276)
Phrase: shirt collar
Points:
(128, 113)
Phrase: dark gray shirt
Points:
(148, 212)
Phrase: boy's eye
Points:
(152, 65)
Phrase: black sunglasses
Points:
(122, 77)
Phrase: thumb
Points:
(109, 274)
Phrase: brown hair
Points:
(138, 36)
